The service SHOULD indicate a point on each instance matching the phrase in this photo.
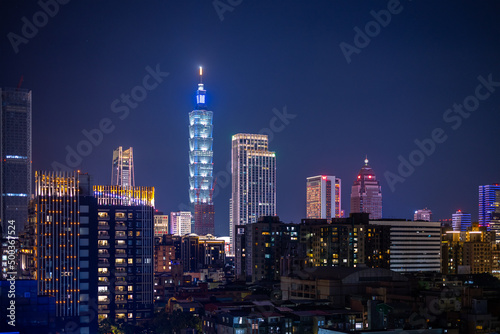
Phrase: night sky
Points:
(262, 58)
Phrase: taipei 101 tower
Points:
(201, 163)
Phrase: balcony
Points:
(103, 300)
(120, 226)
(120, 253)
(103, 215)
(120, 235)
(121, 280)
(103, 281)
(120, 244)
(103, 235)
(103, 253)
(103, 244)
(120, 262)
(103, 225)
(103, 262)
(121, 271)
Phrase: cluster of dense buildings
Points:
(81, 253)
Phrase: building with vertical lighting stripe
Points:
(65, 230)
(366, 193)
(201, 163)
(15, 163)
(489, 202)
(323, 197)
(123, 168)
(253, 169)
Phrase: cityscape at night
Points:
(228, 166)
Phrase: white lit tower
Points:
(201, 163)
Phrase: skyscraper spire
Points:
(200, 93)
(366, 160)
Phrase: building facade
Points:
(122, 173)
(323, 197)
(161, 224)
(261, 246)
(489, 202)
(366, 193)
(64, 217)
(125, 252)
(180, 223)
(15, 164)
(461, 221)
(253, 172)
(468, 252)
(415, 246)
(423, 214)
(201, 163)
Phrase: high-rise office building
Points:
(415, 246)
(15, 163)
(323, 197)
(253, 169)
(488, 203)
(122, 173)
(125, 252)
(460, 221)
(180, 223)
(366, 193)
(64, 218)
(201, 163)
(424, 214)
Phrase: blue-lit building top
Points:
(200, 149)
(461, 221)
(488, 203)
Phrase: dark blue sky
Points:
(265, 55)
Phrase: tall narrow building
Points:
(201, 163)
(15, 163)
(253, 169)
(64, 218)
(122, 173)
(489, 202)
(125, 252)
(323, 197)
(366, 193)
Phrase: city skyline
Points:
(292, 94)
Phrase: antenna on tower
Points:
(201, 74)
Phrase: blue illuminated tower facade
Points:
(201, 163)
(489, 203)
